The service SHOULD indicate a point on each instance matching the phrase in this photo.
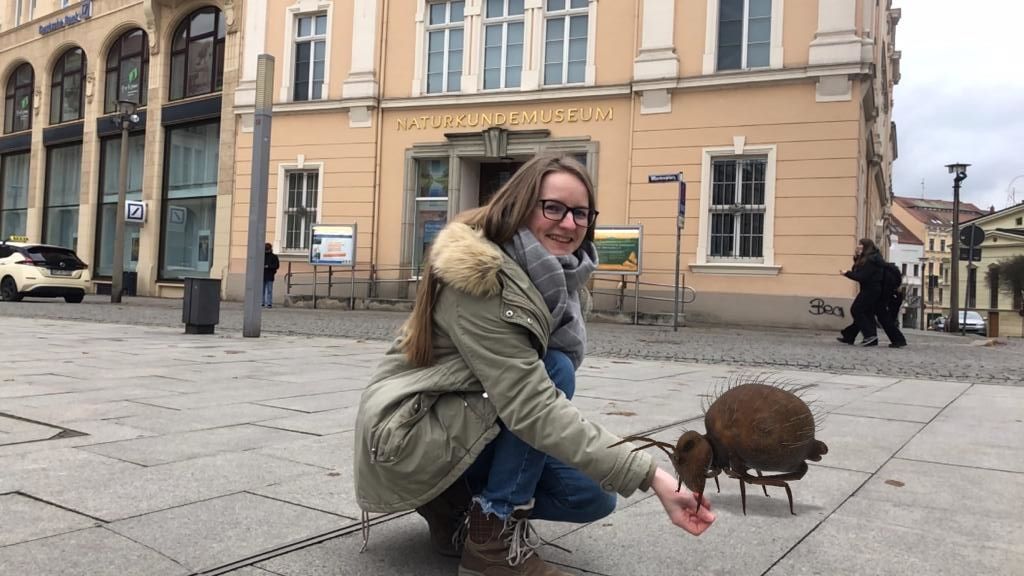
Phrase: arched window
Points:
(197, 54)
(127, 70)
(66, 95)
(18, 100)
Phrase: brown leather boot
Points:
(446, 516)
(496, 547)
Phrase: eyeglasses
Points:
(556, 211)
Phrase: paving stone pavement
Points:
(139, 450)
(930, 355)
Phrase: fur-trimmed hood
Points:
(467, 261)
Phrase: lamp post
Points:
(127, 119)
(959, 172)
(923, 261)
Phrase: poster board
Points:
(333, 245)
(619, 249)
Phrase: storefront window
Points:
(431, 205)
(63, 186)
(106, 224)
(127, 74)
(190, 201)
(66, 91)
(18, 100)
(14, 194)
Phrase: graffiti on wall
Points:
(820, 308)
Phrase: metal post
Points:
(258, 195)
(117, 274)
(681, 221)
(923, 261)
(314, 287)
(352, 290)
(954, 290)
(636, 300)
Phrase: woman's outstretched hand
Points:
(681, 506)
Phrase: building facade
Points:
(932, 222)
(980, 282)
(394, 116)
(65, 67)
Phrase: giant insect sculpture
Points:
(751, 425)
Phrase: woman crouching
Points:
(468, 417)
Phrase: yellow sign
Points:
(17, 238)
(513, 118)
(618, 249)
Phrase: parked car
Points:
(971, 321)
(40, 270)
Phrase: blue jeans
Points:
(510, 472)
(268, 293)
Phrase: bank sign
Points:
(84, 12)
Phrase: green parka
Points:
(419, 429)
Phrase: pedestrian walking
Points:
(468, 419)
(866, 271)
(270, 265)
(888, 308)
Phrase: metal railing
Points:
(687, 293)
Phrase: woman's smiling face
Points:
(561, 237)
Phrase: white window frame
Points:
(565, 14)
(446, 28)
(775, 57)
(283, 170)
(705, 264)
(311, 39)
(504, 22)
(291, 15)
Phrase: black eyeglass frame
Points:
(589, 214)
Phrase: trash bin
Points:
(201, 306)
(129, 283)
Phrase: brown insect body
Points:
(750, 426)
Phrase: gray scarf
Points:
(558, 279)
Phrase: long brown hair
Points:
(508, 211)
(867, 249)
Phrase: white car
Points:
(39, 270)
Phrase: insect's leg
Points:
(717, 486)
(743, 496)
(763, 486)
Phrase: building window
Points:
(931, 268)
(940, 296)
(444, 46)
(301, 210)
(18, 100)
(431, 204)
(190, 200)
(916, 270)
(737, 209)
(110, 158)
(904, 269)
(63, 186)
(127, 71)
(14, 194)
(931, 244)
(1020, 221)
(942, 245)
(197, 54)
(503, 44)
(310, 56)
(744, 34)
(565, 42)
(66, 95)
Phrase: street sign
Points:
(968, 253)
(134, 211)
(972, 235)
(664, 178)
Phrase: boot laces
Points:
(523, 540)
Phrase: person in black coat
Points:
(867, 271)
(270, 265)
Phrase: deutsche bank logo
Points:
(134, 211)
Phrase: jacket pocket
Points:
(390, 436)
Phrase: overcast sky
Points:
(960, 98)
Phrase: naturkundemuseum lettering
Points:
(517, 118)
